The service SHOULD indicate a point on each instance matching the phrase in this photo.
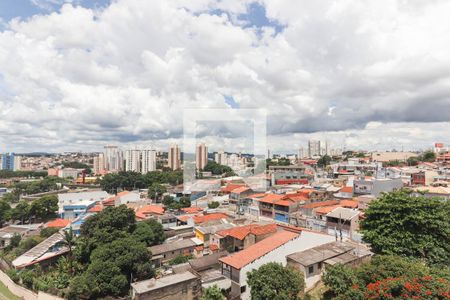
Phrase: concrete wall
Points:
(22, 292)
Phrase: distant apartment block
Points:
(113, 158)
(201, 156)
(10, 161)
(174, 159)
(142, 161)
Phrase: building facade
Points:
(174, 159)
(201, 156)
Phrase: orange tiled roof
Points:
(240, 189)
(213, 247)
(123, 193)
(255, 251)
(199, 248)
(349, 203)
(192, 210)
(58, 223)
(242, 231)
(283, 203)
(346, 189)
(111, 201)
(271, 198)
(95, 209)
(297, 197)
(257, 195)
(264, 229)
(325, 209)
(321, 203)
(230, 187)
(209, 217)
(198, 219)
(146, 210)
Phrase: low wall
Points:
(22, 292)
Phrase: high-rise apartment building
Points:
(142, 161)
(174, 157)
(10, 161)
(148, 161)
(99, 163)
(313, 148)
(221, 158)
(113, 158)
(133, 160)
(201, 156)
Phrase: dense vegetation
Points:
(402, 224)
(170, 202)
(77, 165)
(46, 184)
(388, 277)
(218, 169)
(28, 174)
(110, 252)
(213, 204)
(273, 281)
(42, 209)
(113, 183)
(278, 162)
(212, 293)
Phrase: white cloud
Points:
(83, 77)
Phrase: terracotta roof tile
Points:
(97, 208)
(198, 219)
(255, 251)
(240, 189)
(192, 210)
(321, 203)
(58, 223)
(213, 247)
(271, 198)
(143, 212)
(230, 187)
(323, 210)
(349, 203)
(346, 189)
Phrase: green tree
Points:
(48, 232)
(21, 212)
(340, 279)
(213, 204)
(324, 161)
(413, 226)
(429, 156)
(217, 169)
(45, 207)
(10, 197)
(5, 210)
(185, 202)
(212, 293)
(149, 232)
(180, 259)
(273, 281)
(156, 190)
(69, 241)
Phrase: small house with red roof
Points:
(57, 223)
(241, 237)
(240, 193)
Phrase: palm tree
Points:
(69, 239)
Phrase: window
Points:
(243, 288)
(311, 269)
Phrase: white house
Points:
(272, 249)
(72, 198)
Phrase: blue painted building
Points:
(7, 161)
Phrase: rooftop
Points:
(172, 246)
(145, 286)
(242, 231)
(58, 223)
(343, 213)
(255, 251)
(320, 253)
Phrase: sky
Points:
(364, 75)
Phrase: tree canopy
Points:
(217, 169)
(212, 293)
(407, 225)
(273, 281)
(128, 180)
(386, 277)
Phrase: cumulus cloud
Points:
(80, 77)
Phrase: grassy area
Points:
(319, 292)
(6, 294)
